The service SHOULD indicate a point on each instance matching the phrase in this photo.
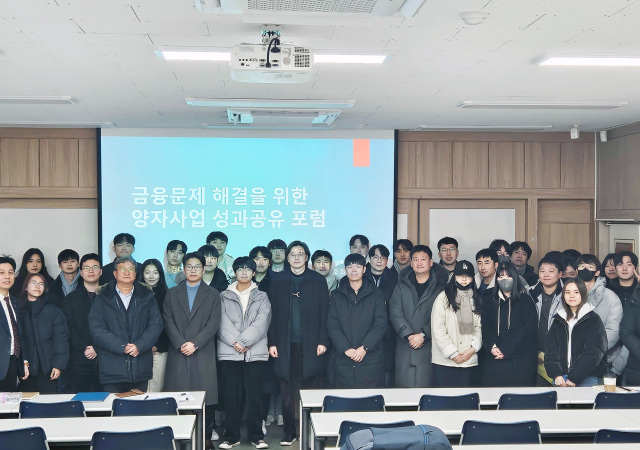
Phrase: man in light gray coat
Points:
(410, 314)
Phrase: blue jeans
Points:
(590, 381)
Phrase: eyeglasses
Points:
(127, 269)
(448, 250)
(90, 268)
(124, 246)
(296, 255)
(190, 267)
(244, 270)
(378, 257)
(36, 284)
(591, 267)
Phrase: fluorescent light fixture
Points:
(19, 124)
(26, 100)
(349, 58)
(484, 127)
(479, 104)
(193, 54)
(269, 103)
(587, 59)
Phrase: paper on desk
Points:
(619, 390)
(180, 397)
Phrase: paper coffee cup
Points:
(610, 383)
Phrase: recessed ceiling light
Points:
(193, 54)
(350, 58)
(484, 127)
(587, 59)
(480, 104)
(268, 103)
(26, 100)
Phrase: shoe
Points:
(214, 436)
(280, 421)
(219, 418)
(264, 430)
(228, 445)
(260, 444)
(208, 444)
(269, 420)
(288, 439)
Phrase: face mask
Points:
(463, 288)
(504, 258)
(586, 274)
(506, 284)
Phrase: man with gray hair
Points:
(117, 334)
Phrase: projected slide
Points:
(321, 191)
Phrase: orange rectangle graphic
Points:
(361, 152)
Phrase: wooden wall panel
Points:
(578, 166)
(407, 165)
(19, 162)
(434, 165)
(471, 165)
(561, 236)
(564, 211)
(59, 162)
(506, 164)
(541, 165)
(87, 163)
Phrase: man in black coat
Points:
(125, 323)
(297, 335)
(630, 334)
(68, 279)
(626, 264)
(356, 324)
(11, 363)
(83, 360)
(520, 253)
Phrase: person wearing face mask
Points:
(500, 246)
(154, 279)
(456, 329)
(609, 269)
(509, 332)
(576, 344)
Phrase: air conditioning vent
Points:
(302, 60)
(301, 50)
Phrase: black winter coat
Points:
(530, 275)
(516, 337)
(624, 293)
(388, 282)
(76, 307)
(588, 348)
(265, 283)
(354, 321)
(45, 337)
(56, 293)
(314, 300)
(630, 330)
(107, 321)
(162, 344)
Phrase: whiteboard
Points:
(50, 230)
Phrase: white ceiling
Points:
(102, 53)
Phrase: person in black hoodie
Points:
(356, 324)
(263, 258)
(154, 279)
(45, 337)
(32, 262)
(576, 344)
(630, 334)
(83, 358)
(213, 276)
(624, 285)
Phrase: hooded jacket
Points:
(249, 329)
(530, 275)
(587, 342)
(607, 305)
(556, 303)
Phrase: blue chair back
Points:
(24, 439)
(156, 439)
(543, 400)
(347, 427)
(617, 437)
(360, 404)
(156, 407)
(449, 403)
(35, 410)
(485, 433)
(610, 400)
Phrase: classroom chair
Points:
(155, 439)
(156, 407)
(543, 400)
(610, 400)
(449, 403)
(35, 410)
(347, 427)
(358, 404)
(616, 437)
(24, 439)
(485, 433)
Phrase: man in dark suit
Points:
(11, 364)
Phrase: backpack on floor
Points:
(419, 437)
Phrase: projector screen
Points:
(254, 189)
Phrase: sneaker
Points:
(269, 420)
(260, 444)
(219, 418)
(264, 430)
(288, 439)
(214, 436)
(280, 420)
(227, 445)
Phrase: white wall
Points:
(50, 230)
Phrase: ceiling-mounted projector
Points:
(258, 63)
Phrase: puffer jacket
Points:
(607, 305)
(249, 329)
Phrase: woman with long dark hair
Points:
(456, 330)
(45, 337)
(32, 262)
(509, 333)
(153, 277)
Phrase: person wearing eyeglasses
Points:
(125, 323)
(298, 337)
(448, 253)
(124, 245)
(83, 358)
(213, 276)
(45, 337)
(191, 313)
(278, 248)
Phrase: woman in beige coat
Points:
(456, 330)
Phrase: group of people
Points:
(256, 329)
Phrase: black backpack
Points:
(420, 437)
